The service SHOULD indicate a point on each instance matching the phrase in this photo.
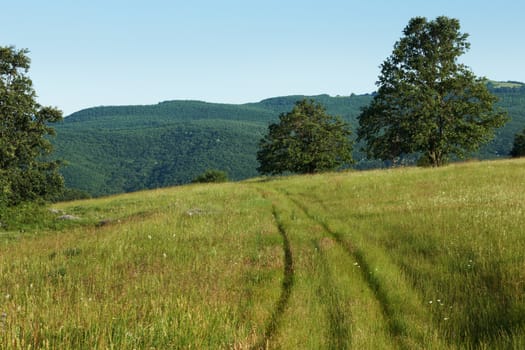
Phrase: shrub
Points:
(211, 175)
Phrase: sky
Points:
(87, 53)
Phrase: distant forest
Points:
(119, 149)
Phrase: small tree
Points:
(211, 175)
(306, 140)
(24, 127)
(518, 148)
(428, 102)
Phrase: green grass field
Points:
(407, 258)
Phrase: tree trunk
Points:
(436, 158)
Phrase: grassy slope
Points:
(397, 259)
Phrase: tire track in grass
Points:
(407, 322)
(338, 325)
(286, 287)
(396, 327)
(338, 337)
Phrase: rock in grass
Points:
(68, 217)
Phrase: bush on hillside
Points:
(211, 175)
(71, 194)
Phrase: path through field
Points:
(338, 300)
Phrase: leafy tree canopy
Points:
(428, 102)
(305, 140)
(518, 148)
(24, 127)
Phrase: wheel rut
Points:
(338, 327)
(396, 327)
(274, 321)
(338, 319)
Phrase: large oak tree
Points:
(427, 101)
(306, 140)
(24, 128)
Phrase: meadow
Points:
(406, 258)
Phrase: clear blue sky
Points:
(110, 52)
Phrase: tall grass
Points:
(450, 243)
(199, 268)
(391, 259)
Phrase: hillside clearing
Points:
(394, 259)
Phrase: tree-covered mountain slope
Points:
(127, 148)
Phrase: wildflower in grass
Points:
(149, 236)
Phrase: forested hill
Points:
(127, 148)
